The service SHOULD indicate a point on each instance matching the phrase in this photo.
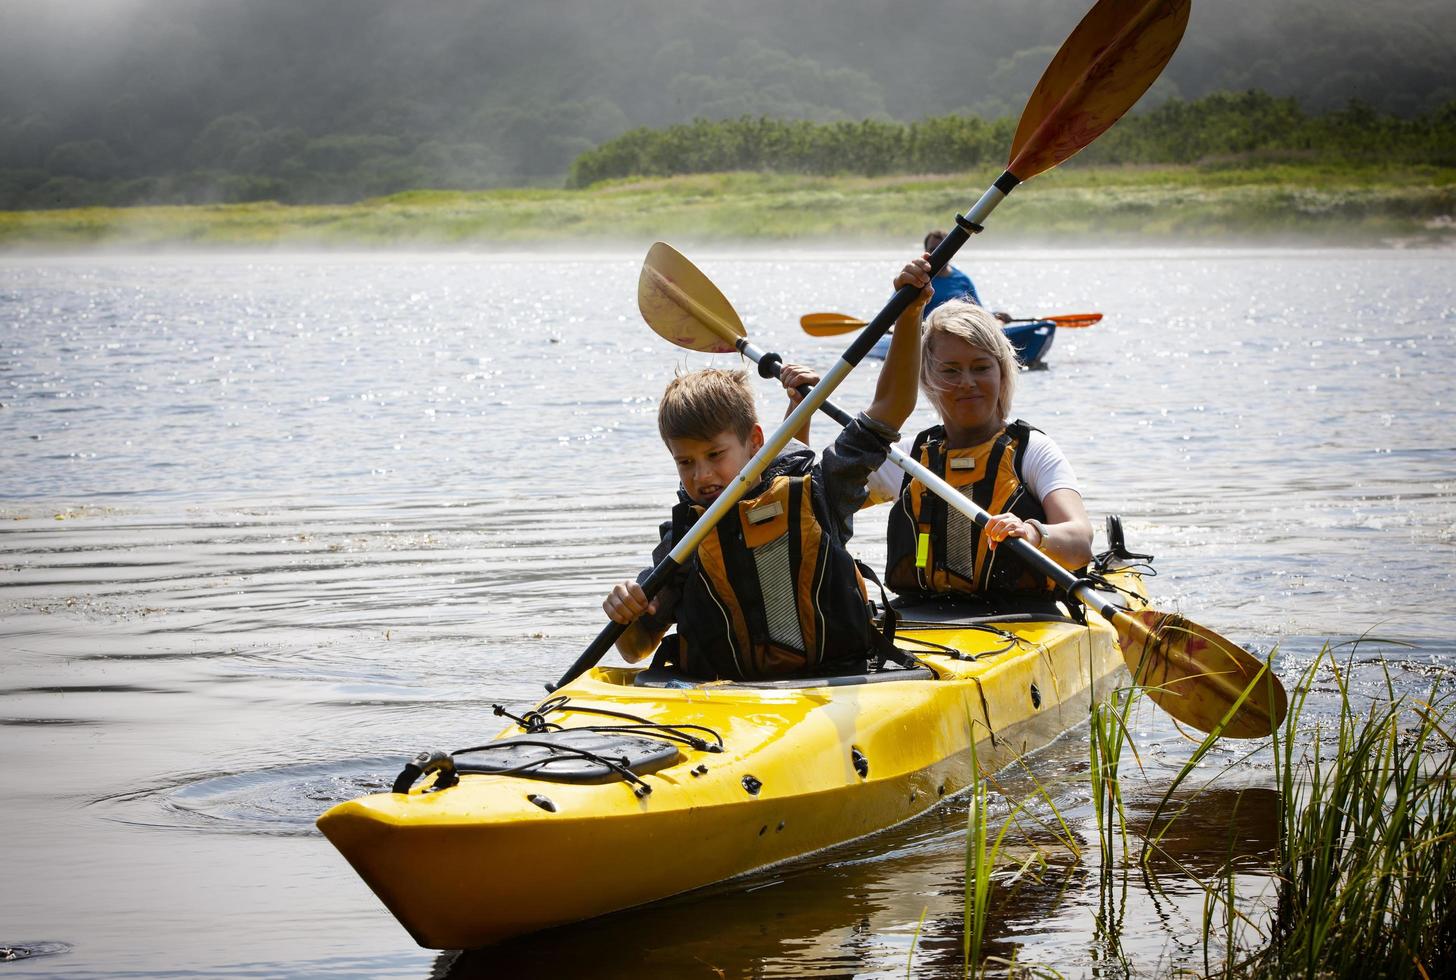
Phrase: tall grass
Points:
(1363, 883)
(1365, 880)
(1366, 883)
(979, 865)
(983, 855)
(1110, 734)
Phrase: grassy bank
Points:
(1276, 204)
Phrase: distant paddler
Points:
(952, 283)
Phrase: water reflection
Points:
(858, 912)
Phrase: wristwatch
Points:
(1041, 533)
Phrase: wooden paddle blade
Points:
(1075, 320)
(1107, 63)
(829, 324)
(1198, 676)
(682, 305)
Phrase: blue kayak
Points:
(1033, 341)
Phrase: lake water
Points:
(271, 524)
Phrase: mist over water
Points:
(271, 524)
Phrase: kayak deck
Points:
(804, 765)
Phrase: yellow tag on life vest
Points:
(922, 550)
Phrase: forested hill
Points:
(132, 100)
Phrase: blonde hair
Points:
(971, 323)
(705, 404)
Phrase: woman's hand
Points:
(626, 602)
(917, 273)
(1004, 526)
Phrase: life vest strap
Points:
(884, 638)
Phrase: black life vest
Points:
(769, 592)
(933, 548)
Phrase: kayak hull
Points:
(1032, 342)
(803, 769)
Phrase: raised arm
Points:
(793, 376)
(895, 391)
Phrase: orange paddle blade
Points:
(1074, 320)
(1105, 66)
(829, 324)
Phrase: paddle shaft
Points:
(771, 365)
(664, 571)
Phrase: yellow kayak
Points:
(629, 785)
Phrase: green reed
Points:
(1109, 735)
(1366, 882)
(979, 865)
(1365, 879)
(983, 854)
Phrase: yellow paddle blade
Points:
(1199, 677)
(682, 305)
(829, 324)
(1105, 66)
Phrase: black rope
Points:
(534, 723)
(1011, 640)
(619, 766)
(668, 733)
(1107, 585)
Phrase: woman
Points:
(1016, 473)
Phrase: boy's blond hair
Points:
(971, 323)
(705, 404)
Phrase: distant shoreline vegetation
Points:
(1285, 204)
(243, 162)
(1249, 127)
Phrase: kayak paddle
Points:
(1066, 321)
(1103, 67)
(830, 324)
(1193, 673)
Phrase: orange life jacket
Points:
(934, 548)
(769, 592)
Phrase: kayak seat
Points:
(669, 678)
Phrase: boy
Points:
(772, 591)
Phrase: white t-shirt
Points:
(1043, 470)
